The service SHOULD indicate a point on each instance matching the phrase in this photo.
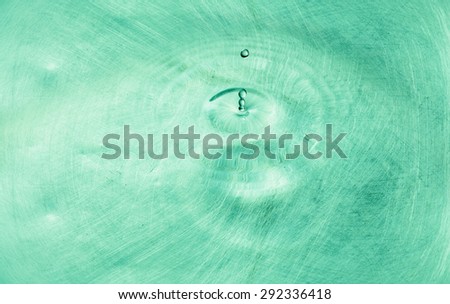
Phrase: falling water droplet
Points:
(244, 53)
(242, 93)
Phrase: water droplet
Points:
(241, 105)
(244, 53)
(242, 93)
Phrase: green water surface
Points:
(73, 71)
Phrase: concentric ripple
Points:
(77, 71)
(290, 87)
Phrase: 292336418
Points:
(286, 294)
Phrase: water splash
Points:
(242, 105)
(242, 94)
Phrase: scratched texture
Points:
(73, 71)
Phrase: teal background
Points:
(74, 71)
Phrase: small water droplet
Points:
(245, 53)
(242, 93)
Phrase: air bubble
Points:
(242, 93)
